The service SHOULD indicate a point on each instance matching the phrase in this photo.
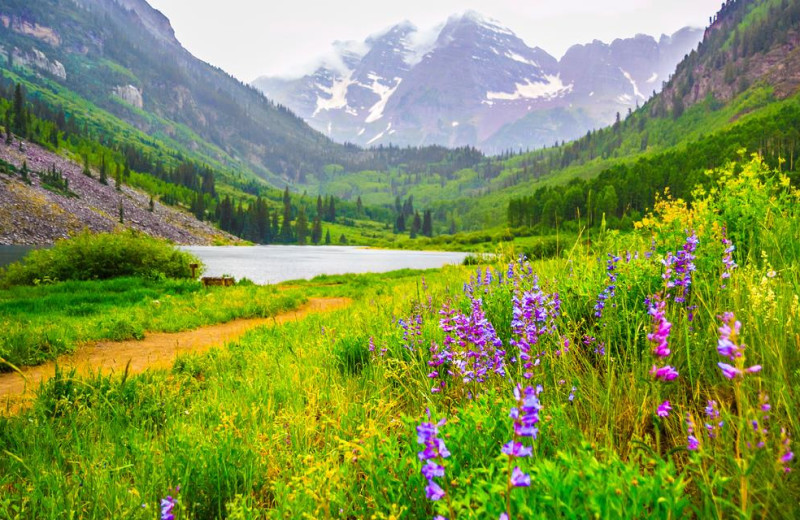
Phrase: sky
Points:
(251, 38)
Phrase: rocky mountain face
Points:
(54, 199)
(122, 56)
(476, 84)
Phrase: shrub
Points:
(101, 256)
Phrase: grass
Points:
(308, 421)
(45, 321)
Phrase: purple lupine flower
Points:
(476, 350)
(526, 413)
(665, 374)
(611, 289)
(731, 347)
(520, 479)
(534, 315)
(572, 394)
(433, 454)
(664, 409)
(516, 449)
(682, 266)
(786, 453)
(693, 442)
(167, 505)
(661, 328)
(371, 344)
(433, 491)
(727, 257)
(712, 413)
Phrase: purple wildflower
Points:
(611, 289)
(786, 453)
(664, 374)
(534, 315)
(433, 454)
(520, 479)
(661, 328)
(712, 413)
(693, 442)
(730, 346)
(572, 394)
(664, 409)
(526, 413)
(516, 449)
(681, 265)
(727, 257)
(167, 505)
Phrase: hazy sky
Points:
(250, 38)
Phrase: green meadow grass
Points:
(42, 322)
(306, 420)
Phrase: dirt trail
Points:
(156, 350)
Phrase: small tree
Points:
(301, 227)
(152, 206)
(121, 213)
(103, 173)
(328, 237)
(118, 178)
(86, 170)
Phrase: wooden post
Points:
(194, 267)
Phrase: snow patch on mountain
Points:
(337, 93)
(522, 59)
(633, 83)
(550, 88)
(385, 93)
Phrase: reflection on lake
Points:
(273, 264)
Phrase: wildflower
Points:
(516, 449)
(727, 259)
(664, 409)
(526, 413)
(519, 478)
(433, 454)
(683, 266)
(534, 315)
(572, 394)
(731, 347)
(611, 289)
(693, 442)
(786, 454)
(661, 328)
(713, 414)
(665, 374)
(433, 491)
(167, 505)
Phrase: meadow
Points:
(645, 374)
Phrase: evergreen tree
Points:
(328, 237)
(152, 205)
(416, 225)
(103, 174)
(331, 210)
(319, 207)
(199, 209)
(359, 207)
(8, 128)
(427, 224)
(401, 223)
(343, 240)
(316, 231)
(121, 213)
(118, 178)
(20, 115)
(86, 170)
(286, 224)
(24, 172)
(301, 227)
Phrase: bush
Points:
(101, 256)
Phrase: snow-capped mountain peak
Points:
(473, 81)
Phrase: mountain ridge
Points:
(474, 83)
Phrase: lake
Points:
(274, 264)
(10, 254)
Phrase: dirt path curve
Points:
(156, 350)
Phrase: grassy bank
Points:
(42, 322)
(326, 418)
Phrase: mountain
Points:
(122, 56)
(475, 84)
(45, 197)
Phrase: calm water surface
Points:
(273, 264)
(10, 254)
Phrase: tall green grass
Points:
(305, 421)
